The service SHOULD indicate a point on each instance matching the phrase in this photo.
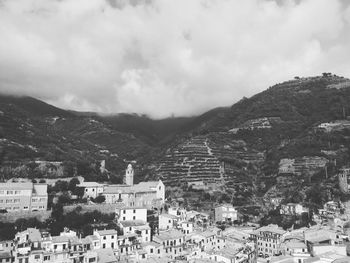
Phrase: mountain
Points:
(271, 144)
(243, 151)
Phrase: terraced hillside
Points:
(192, 162)
(211, 161)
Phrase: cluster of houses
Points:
(180, 235)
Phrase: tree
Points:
(72, 186)
(100, 199)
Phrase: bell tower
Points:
(129, 175)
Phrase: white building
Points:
(293, 209)
(108, 238)
(225, 212)
(91, 189)
(138, 227)
(23, 197)
(131, 213)
(144, 194)
(167, 221)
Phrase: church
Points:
(149, 194)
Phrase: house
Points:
(138, 227)
(153, 249)
(207, 240)
(173, 242)
(297, 249)
(128, 243)
(131, 213)
(6, 256)
(225, 212)
(167, 221)
(293, 209)
(91, 189)
(186, 227)
(320, 241)
(23, 197)
(177, 211)
(268, 239)
(6, 245)
(107, 238)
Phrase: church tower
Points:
(129, 175)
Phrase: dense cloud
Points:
(163, 57)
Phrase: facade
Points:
(225, 213)
(131, 213)
(167, 221)
(107, 238)
(293, 209)
(91, 189)
(138, 227)
(173, 242)
(144, 194)
(269, 239)
(23, 197)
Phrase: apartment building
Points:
(269, 239)
(225, 212)
(91, 189)
(23, 197)
(131, 213)
(108, 238)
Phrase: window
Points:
(104, 246)
(112, 236)
(55, 247)
(151, 250)
(86, 189)
(36, 256)
(10, 192)
(123, 218)
(134, 211)
(92, 260)
(112, 245)
(104, 238)
(124, 211)
(134, 217)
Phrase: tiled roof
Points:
(169, 235)
(16, 186)
(129, 223)
(107, 232)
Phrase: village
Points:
(177, 234)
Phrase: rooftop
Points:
(106, 255)
(129, 223)
(107, 232)
(168, 216)
(5, 254)
(89, 184)
(169, 235)
(16, 186)
(271, 228)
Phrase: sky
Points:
(166, 57)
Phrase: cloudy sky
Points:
(166, 57)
